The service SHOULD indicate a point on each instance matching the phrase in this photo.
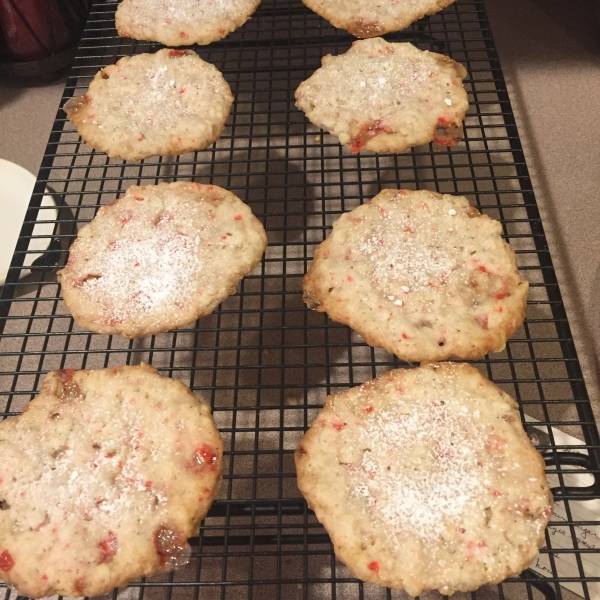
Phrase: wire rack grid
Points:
(262, 359)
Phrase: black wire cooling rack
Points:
(263, 360)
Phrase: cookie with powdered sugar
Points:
(159, 258)
(365, 19)
(169, 102)
(386, 97)
(425, 480)
(103, 479)
(425, 276)
(182, 22)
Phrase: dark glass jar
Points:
(39, 37)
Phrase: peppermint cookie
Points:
(386, 97)
(182, 22)
(367, 19)
(159, 258)
(103, 479)
(422, 275)
(170, 102)
(425, 480)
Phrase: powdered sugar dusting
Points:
(412, 248)
(102, 470)
(104, 489)
(159, 95)
(365, 19)
(419, 471)
(169, 102)
(437, 258)
(182, 22)
(383, 88)
(144, 275)
(364, 79)
(180, 14)
(103, 478)
(159, 258)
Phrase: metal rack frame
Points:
(262, 359)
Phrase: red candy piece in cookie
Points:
(6, 561)
(495, 444)
(172, 547)
(155, 119)
(437, 488)
(362, 28)
(483, 321)
(108, 547)
(188, 21)
(373, 566)
(145, 267)
(80, 585)
(419, 274)
(366, 19)
(92, 470)
(447, 133)
(66, 374)
(204, 458)
(386, 97)
(367, 132)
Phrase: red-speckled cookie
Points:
(182, 22)
(159, 258)
(386, 97)
(425, 480)
(365, 19)
(170, 102)
(103, 479)
(425, 276)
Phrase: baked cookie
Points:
(386, 97)
(425, 480)
(182, 22)
(159, 258)
(103, 479)
(422, 275)
(170, 102)
(365, 19)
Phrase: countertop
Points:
(550, 53)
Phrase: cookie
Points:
(182, 22)
(425, 276)
(170, 102)
(425, 480)
(103, 479)
(386, 97)
(159, 258)
(365, 19)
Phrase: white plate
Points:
(16, 187)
